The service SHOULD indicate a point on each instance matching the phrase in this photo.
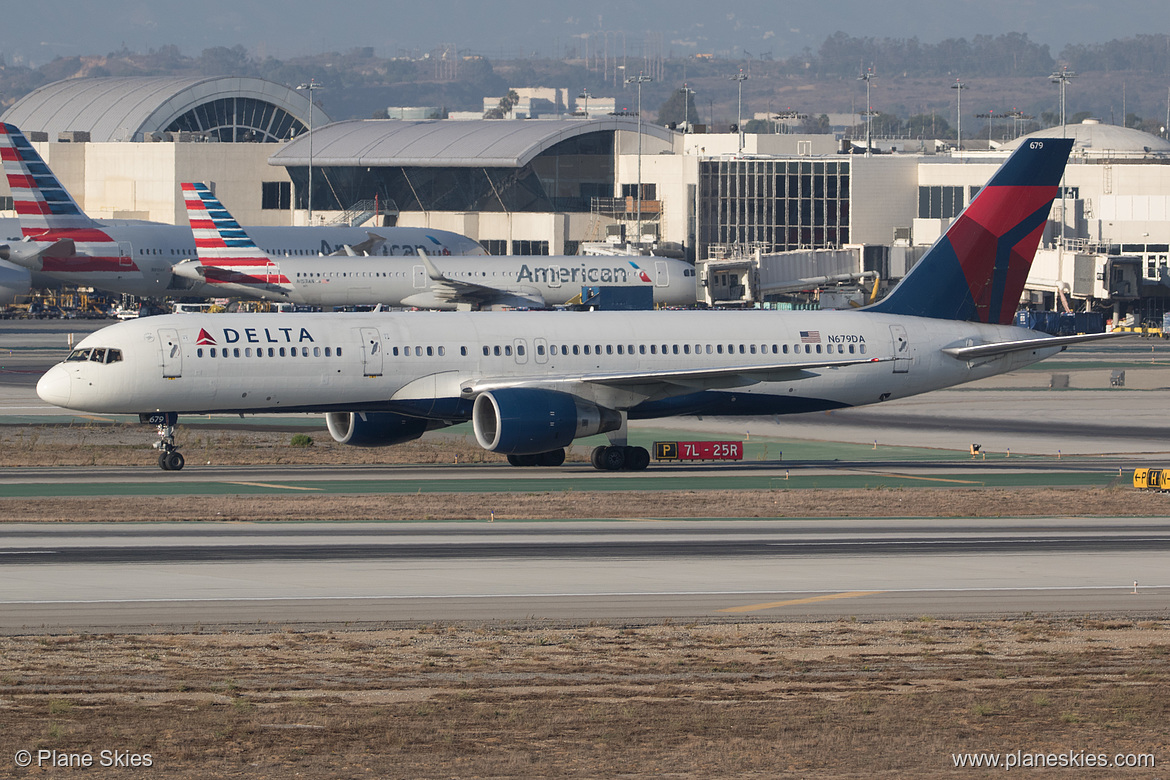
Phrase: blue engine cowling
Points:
(523, 421)
(374, 429)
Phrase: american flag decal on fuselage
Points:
(810, 337)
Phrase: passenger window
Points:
(818, 349)
(496, 350)
(272, 352)
(710, 350)
(247, 352)
(540, 349)
(508, 349)
(586, 349)
(519, 349)
(719, 348)
(236, 352)
(213, 352)
(316, 352)
(785, 349)
(486, 351)
(442, 351)
(463, 351)
(863, 349)
(577, 349)
(430, 351)
(653, 349)
(621, 350)
(282, 351)
(641, 349)
(686, 349)
(609, 349)
(675, 349)
(851, 349)
(198, 353)
(753, 349)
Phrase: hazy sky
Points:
(35, 32)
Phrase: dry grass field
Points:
(838, 699)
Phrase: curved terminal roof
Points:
(129, 109)
(1092, 138)
(488, 143)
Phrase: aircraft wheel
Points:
(637, 458)
(596, 458)
(175, 461)
(162, 461)
(614, 458)
(551, 458)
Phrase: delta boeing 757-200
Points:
(532, 382)
(231, 262)
(126, 256)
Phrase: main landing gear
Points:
(620, 458)
(169, 457)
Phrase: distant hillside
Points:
(1001, 73)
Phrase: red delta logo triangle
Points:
(205, 338)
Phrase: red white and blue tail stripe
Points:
(45, 208)
(227, 253)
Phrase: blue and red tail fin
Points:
(42, 204)
(219, 239)
(976, 271)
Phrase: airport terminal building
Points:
(758, 218)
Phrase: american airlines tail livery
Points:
(230, 261)
(137, 258)
(532, 382)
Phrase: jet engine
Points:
(524, 421)
(374, 429)
(15, 282)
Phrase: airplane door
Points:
(520, 350)
(902, 356)
(371, 351)
(420, 277)
(661, 274)
(125, 254)
(541, 347)
(172, 353)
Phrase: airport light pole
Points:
(868, 76)
(585, 96)
(640, 79)
(740, 78)
(959, 86)
(686, 93)
(1062, 77)
(311, 86)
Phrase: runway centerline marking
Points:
(792, 602)
(270, 485)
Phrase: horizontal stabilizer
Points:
(1007, 347)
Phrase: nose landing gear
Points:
(169, 457)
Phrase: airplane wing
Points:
(365, 248)
(1006, 347)
(629, 388)
(461, 291)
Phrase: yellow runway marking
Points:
(912, 476)
(278, 487)
(95, 419)
(810, 600)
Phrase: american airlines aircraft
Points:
(137, 258)
(532, 382)
(231, 262)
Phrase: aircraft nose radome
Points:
(53, 387)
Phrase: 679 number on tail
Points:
(698, 450)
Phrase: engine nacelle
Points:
(523, 421)
(15, 282)
(374, 429)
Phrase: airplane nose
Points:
(53, 387)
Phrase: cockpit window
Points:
(95, 355)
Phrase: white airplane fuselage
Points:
(535, 281)
(432, 365)
(137, 258)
